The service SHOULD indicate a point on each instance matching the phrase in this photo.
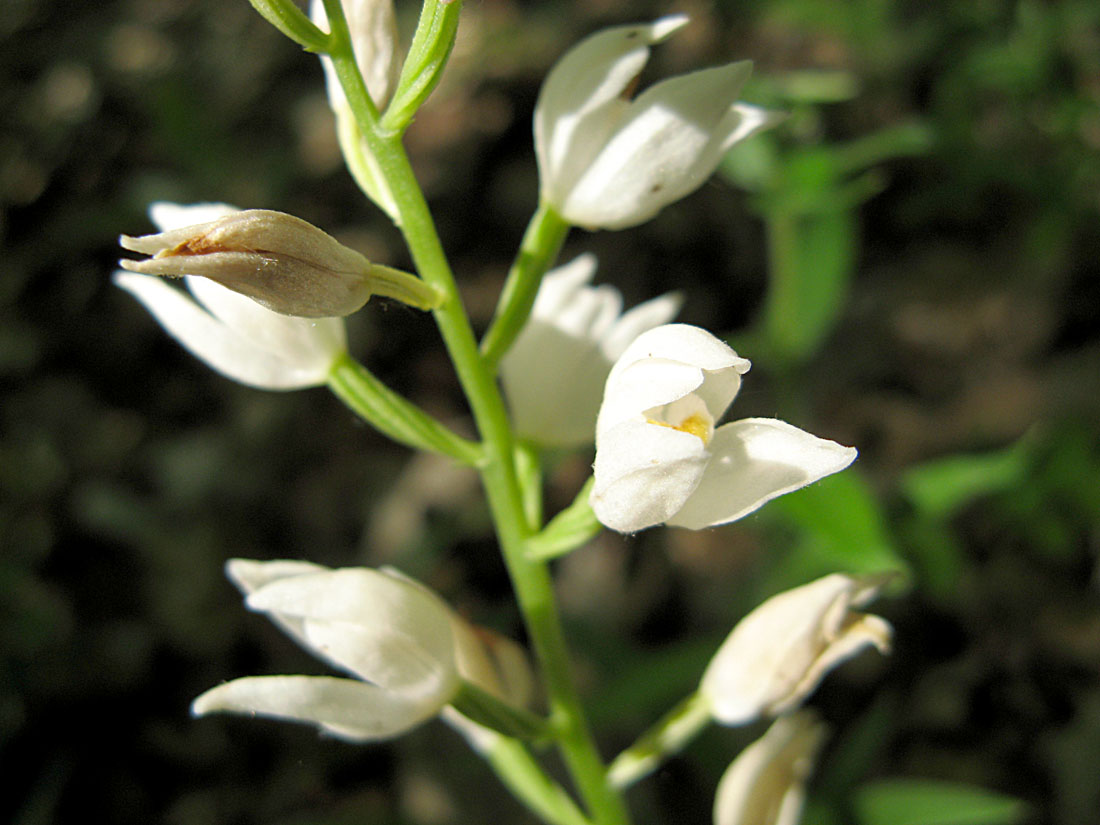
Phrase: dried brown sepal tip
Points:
(280, 261)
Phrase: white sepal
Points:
(766, 783)
(554, 373)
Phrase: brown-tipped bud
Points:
(278, 260)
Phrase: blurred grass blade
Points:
(931, 802)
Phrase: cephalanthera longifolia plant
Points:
(560, 366)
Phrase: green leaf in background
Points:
(812, 260)
(840, 526)
(932, 802)
(940, 488)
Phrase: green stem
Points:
(678, 727)
(542, 241)
(531, 580)
(495, 714)
(568, 530)
(395, 416)
(401, 286)
(527, 781)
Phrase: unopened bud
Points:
(278, 260)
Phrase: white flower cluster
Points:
(651, 395)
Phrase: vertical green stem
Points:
(531, 579)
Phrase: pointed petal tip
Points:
(135, 243)
(664, 27)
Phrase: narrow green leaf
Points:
(942, 487)
(932, 802)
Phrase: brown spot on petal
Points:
(628, 91)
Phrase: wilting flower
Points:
(284, 263)
(233, 334)
(554, 373)
(766, 783)
(659, 456)
(409, 652)
(778, 654)
(608, 162)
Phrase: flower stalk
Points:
(541, 243)
(531, 580)
(394, 415)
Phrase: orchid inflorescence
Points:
(267, 292)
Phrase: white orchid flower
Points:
(766, 783)
(608, 162)
(660, 458)
(233, 334)
(778, 654)
(409, 652)
(554, 373)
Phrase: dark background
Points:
(963, 361)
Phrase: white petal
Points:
(222, 348)
(860, 634)
(383, 629)
(669, 142)
(745, 120)
(250, 575)
(754, 461)
(765, 785)
(343, 707)
(560, 286)
(307, 343)
(778, 654)
(580, 102)
(643, 474)
(665, 364)
(554, 373)
(642, 318)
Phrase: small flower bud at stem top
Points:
(278, 260)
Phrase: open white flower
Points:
(778, 654)
(233, 334)
(660, 458)
(608, 162)
(554, 373)
(409, 652)
(766, 783)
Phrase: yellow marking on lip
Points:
(694, 425)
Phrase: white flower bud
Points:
(608, 162)
(778, 654)
(766, 783)
(280, 261)
(233, 334)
